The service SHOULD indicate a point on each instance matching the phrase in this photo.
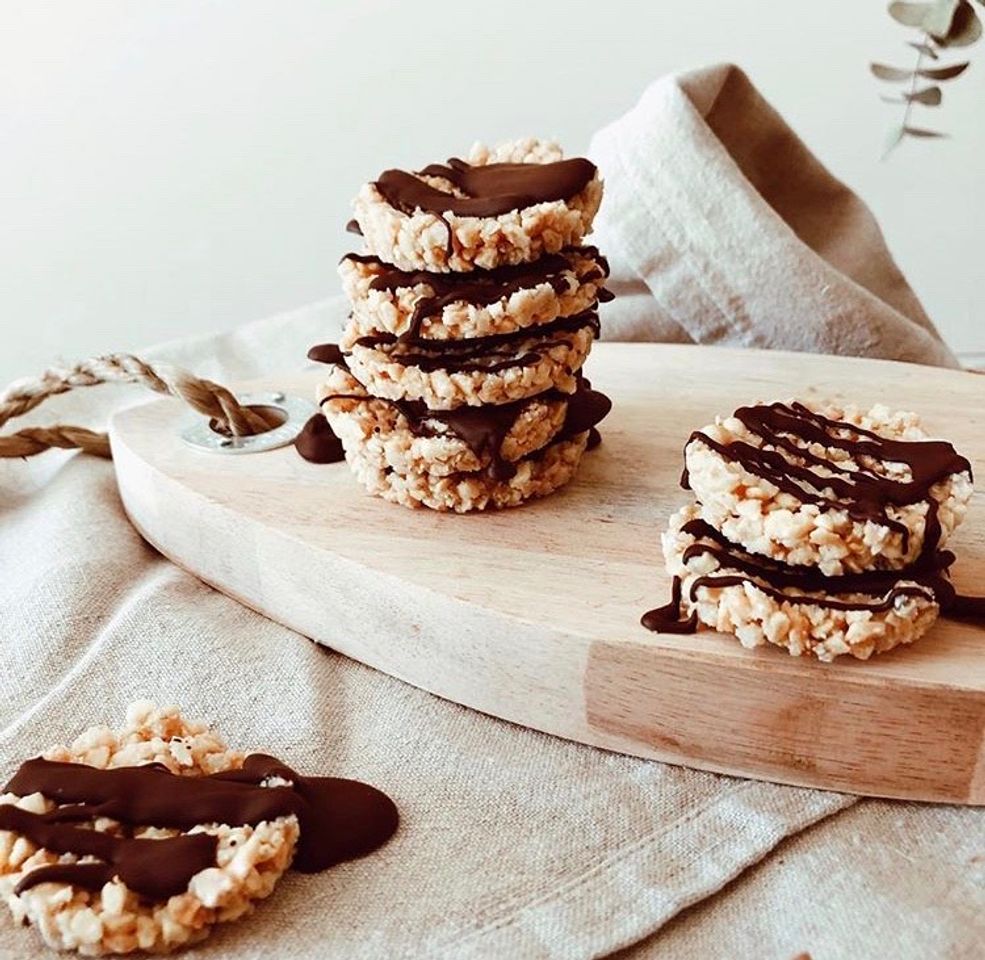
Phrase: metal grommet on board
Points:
(297, 411)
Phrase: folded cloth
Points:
(723, 228)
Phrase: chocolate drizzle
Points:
(482, 287)
(926, 578)
(926, 575)
(339, 819)
(863, 493)
(490, 354)
(489, 190)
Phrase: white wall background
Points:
(178, 166)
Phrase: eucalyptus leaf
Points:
(910, 14)
(943, 73)
(922, 133)
(925, 48)
(929, 96)
(942, 24)
(892, 74)
(939, 18)
(965, 30)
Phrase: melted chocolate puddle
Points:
(339, 819)
(317, 441)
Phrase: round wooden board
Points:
(532, 614)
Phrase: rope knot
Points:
(212, 400)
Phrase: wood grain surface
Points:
(532, 614)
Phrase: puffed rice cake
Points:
(249, 859)
(810, 527)
(403, 233)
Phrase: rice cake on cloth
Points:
(145, 838)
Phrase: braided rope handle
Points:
(208, 398)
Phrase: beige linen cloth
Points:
(512, 844)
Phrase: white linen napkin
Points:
(723, 228)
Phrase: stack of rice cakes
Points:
(457, 383)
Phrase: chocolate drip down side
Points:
(317, 442)
(667, 619)
(338, 819)
(489, 190)
(483, 287)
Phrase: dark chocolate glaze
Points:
(481, 429)
(586, 408)
(926, 575)
(353, 227)
(967, 608)
(156, 869)
(489, 354)
(482, 287)
(339, 819)
(490, 190)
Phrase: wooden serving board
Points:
(532, 614)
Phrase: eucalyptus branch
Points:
(943, 24)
